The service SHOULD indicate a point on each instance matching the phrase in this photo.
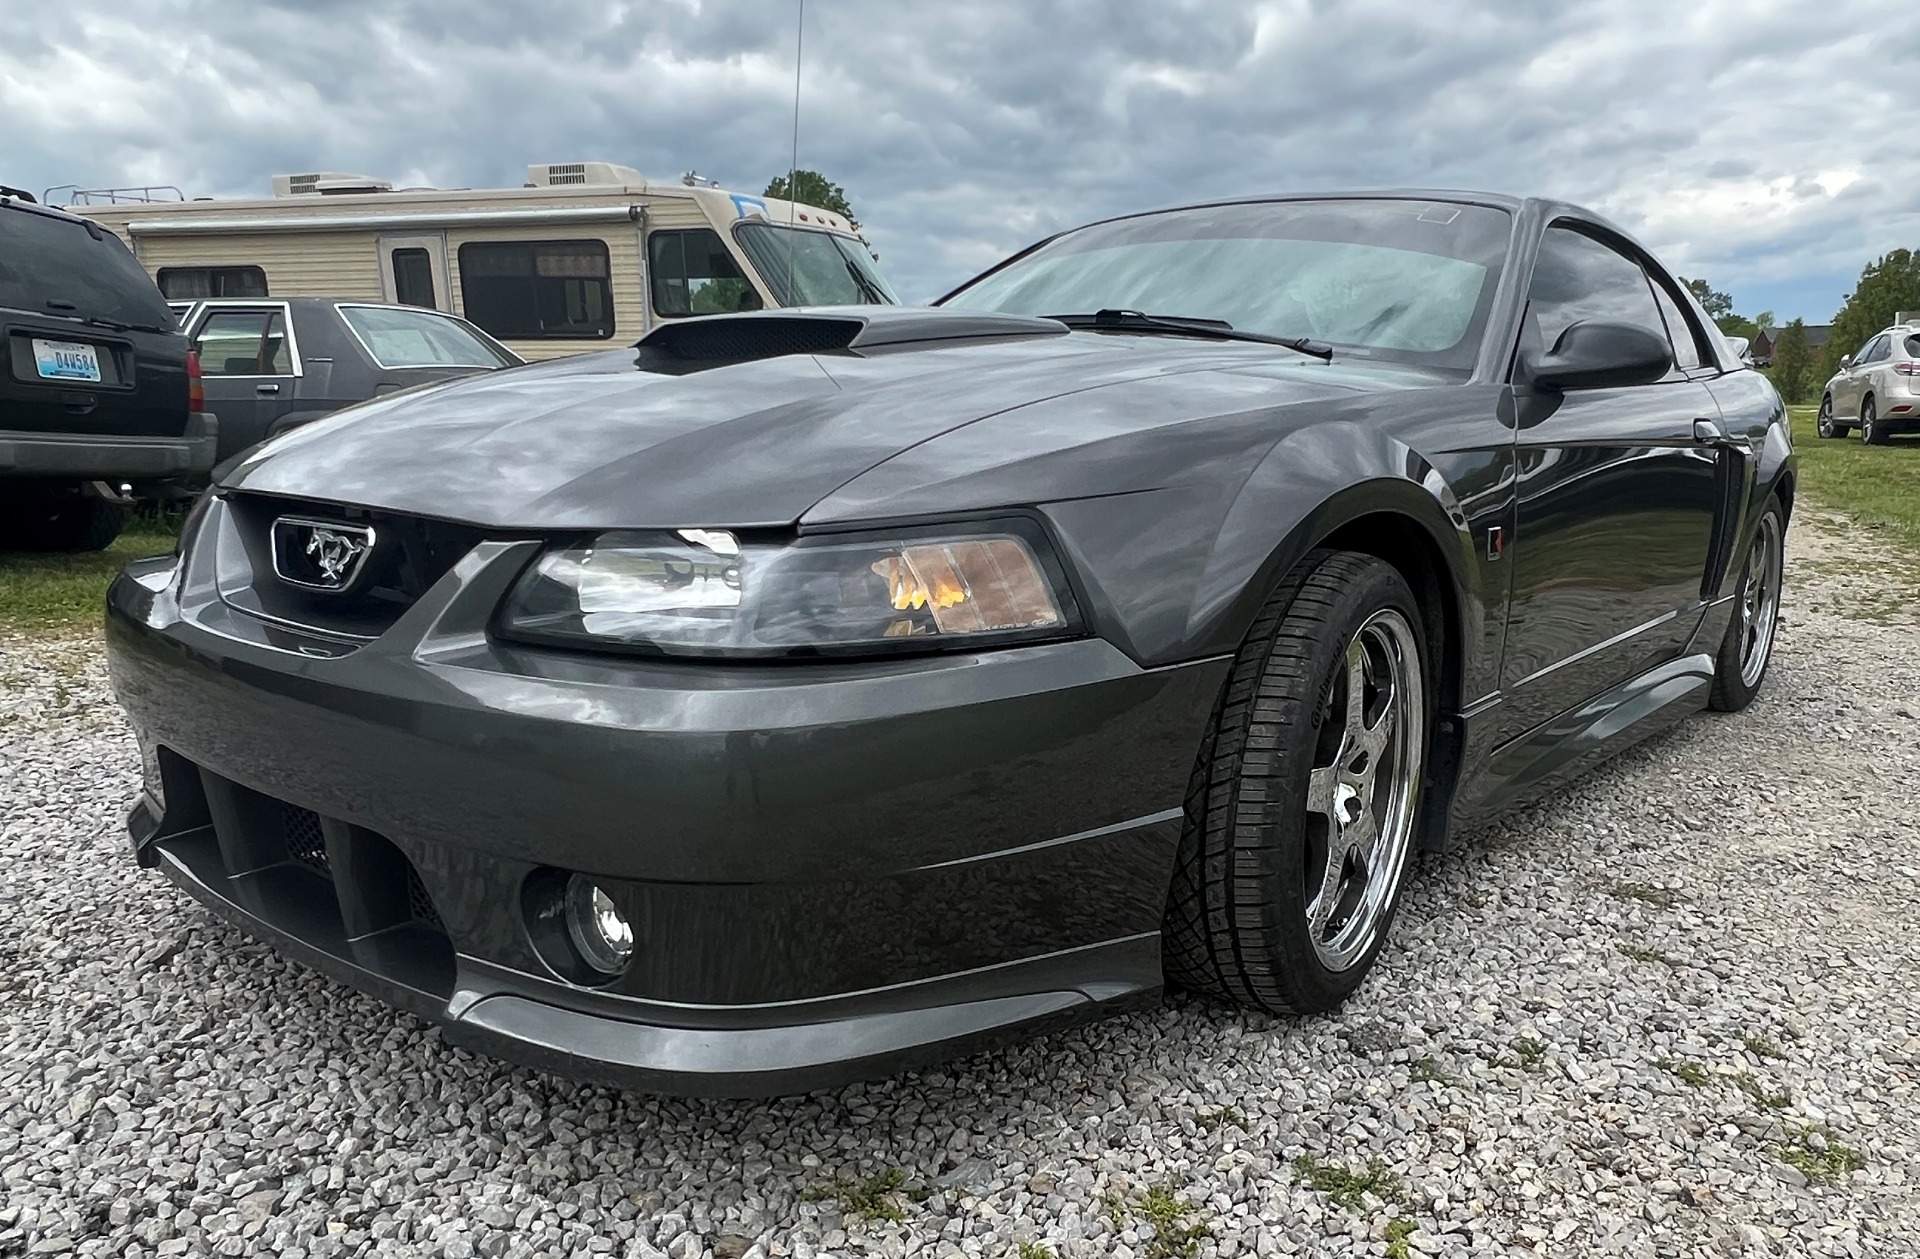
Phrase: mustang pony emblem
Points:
(320, 554)
(334, 553)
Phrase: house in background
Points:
(1764, 340)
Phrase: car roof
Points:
(310, 302)
(9, 202)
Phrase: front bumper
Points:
(89, 456)
(834, 871)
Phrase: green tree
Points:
(1887, 286)
(810, 187)
(1718, 305)
(1793, 366)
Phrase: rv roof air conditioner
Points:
(327, 183)
(560, 174)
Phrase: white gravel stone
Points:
(1623, 1022)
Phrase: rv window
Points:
(693, 274)
(243, 343)
(529, 290)
(213, 282)
(413, 278)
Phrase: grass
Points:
(1208, 1120)
(1176, 1230)
(1821, 1166)
(1398, 1231)
(63, 594)
(1344, 1186)
(1659, 897)
(876, 1197)
(1878, 486)
(1689, 1073)
(1035, 1250)
(1427, 1071)
(1639, 954)
(1761, 1047)
(1759, 1092)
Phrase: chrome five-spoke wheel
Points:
(1360, 802)
(1759, 610)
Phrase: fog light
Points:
(598, 928)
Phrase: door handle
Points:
(266, 389)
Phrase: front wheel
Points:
(1872, 431)
(1823, 424)
(1747, 649)
(1300, 820)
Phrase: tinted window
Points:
(693, 274)
(243, 343)
(1878, 350)
(1865, 351)
(81, 268)
(532, 290)
(213, 281)
(1577, 278)
(1913, 347)
(413, 278)
(1409, 280)
(1687, 354)
(414, 338)
(807, 268)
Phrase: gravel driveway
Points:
(1672, 1013)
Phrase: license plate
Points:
(66, 360)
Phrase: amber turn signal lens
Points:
(973, 586)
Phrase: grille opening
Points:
(419, 904)
(410, 554)
(305, 842)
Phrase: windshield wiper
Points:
(1219, 329)
(117, 326)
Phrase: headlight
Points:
(704, 592)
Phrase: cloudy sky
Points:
(1765, 146)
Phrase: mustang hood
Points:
(748, 421)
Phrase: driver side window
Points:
(1577, 277)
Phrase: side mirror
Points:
(1742, 348)
(1846, 361)
(1594, 354)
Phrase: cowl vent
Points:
(691, 345)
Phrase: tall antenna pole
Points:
(793, 168)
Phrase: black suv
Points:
(98, 399)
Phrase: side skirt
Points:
(1524, 767)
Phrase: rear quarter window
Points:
(50, 258)
(1913, 346)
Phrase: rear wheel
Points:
(1747, 649)
(1823, 424)
(63, 524)
(1300, 821)
(1872, 431)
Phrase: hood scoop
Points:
(691, 345)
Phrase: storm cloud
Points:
(1727, 136)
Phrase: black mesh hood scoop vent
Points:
(712, 341)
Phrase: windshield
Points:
(51, 264)
(1406, 280)
(825, 269)
(418, 338)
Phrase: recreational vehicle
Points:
(586, 255)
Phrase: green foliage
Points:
(1717, 304)
(1690, 1073)
(1035, 1250)
(1794, 372)
(810, 187)
(1398, 1230)
(1176, 1234)
(1833, 1161)
(1887, 286)
(1343, 1186)
(875, 1197)
(65, 594)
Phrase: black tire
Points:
(1823, 423)
(68, 525)
(1735, 681)
(1872, 431)
(1236, 924)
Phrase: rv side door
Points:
(413, 270)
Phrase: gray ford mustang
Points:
(802, 695)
